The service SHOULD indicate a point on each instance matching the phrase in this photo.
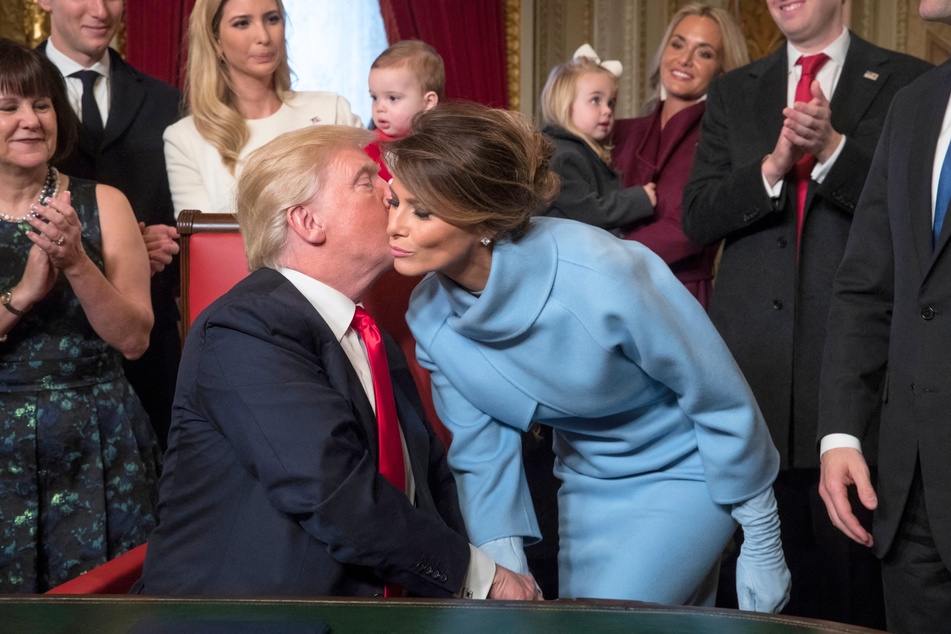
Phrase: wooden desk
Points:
(137, 615)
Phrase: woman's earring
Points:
(486, 241)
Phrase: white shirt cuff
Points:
(508, 552)
(480, 575)
(773, 190)
(821, 170)
(838, 441)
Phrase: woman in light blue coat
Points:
(660, 446)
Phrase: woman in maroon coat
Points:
(701, 43)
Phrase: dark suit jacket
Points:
(644, 153)
(891, 316)
(271, 482)
(590, 190)
(131, 158)
(771, 312)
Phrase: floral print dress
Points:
(78, 457)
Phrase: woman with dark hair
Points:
(78, 458)
(660, 447)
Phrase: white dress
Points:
(196, 175)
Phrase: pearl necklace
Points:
(49, 190)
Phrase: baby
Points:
(406, 78)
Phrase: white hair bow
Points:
(611, 65)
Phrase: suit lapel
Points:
(770, 98)
(863, 76)
(126, 97)
(930, 118)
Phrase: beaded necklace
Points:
(49, 190)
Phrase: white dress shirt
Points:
(74, 86)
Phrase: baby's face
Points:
(397, 96)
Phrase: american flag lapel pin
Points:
(870, 75)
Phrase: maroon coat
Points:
(644, 154)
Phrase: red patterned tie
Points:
(803, 169)
(387, 422)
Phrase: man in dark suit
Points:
(887, 361)
(120, 144)
(764, 142)
(272, 482)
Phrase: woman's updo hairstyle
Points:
(476, 167)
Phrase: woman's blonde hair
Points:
(280, 174)
(735, 52)
(476, 167)
(208, 85)
(559, 93)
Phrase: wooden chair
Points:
(212, 260)
(116, 576)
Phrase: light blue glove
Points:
(762, 578)
(507, 552)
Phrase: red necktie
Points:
(387, 422)
(803, 169)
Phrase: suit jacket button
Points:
(781, 243)
(927, 313)
(428, 570)
(778, 304)
(435, 574)
(443, 577)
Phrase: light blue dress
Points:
(656, 431)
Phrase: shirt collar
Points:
(836, 51)
(69, 66)
(333, 306)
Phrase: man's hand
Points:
(808, 126)
(513, 586)
(161, 245)
(841, 468)
(651, 189)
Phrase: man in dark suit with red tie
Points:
(123, 114)
(298, 462)
(889, 343)
(784, 150)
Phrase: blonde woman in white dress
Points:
(239, 98)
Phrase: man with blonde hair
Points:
(299, 461)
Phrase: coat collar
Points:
(520, 280)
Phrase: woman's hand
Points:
(38, 278)
(58, 232)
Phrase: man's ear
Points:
(430, 99)
(45, 5)
(307, 224)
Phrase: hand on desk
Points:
(513, 586)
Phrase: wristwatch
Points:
(5, 299)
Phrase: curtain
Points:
(155, 37)
(470, 37)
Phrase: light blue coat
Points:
(656, 431)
